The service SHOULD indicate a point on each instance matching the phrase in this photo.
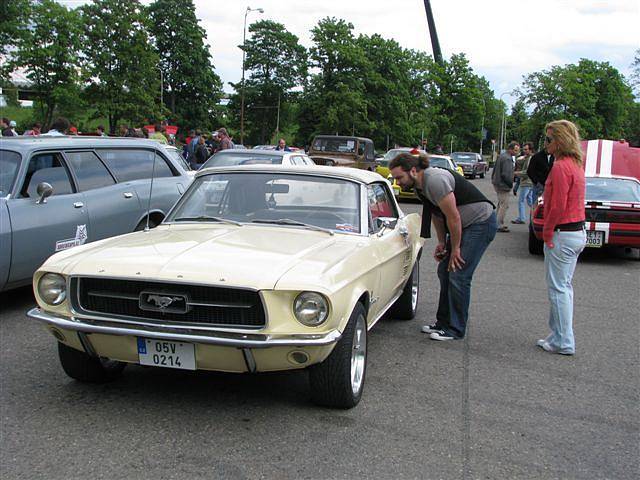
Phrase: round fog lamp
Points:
(52, 288)
(311, 309)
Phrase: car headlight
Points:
(311, 309)
(52, 288)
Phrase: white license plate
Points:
(164, 353)
(595, 239)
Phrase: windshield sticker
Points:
(80, 239)
(346, 227)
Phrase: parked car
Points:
(437, 161)
(257, 268)
(472, 164)
(612, 199)
(60, 192)
(339, 151)
(226, 158)
(264, 147)
(382, 166)
(174, 152)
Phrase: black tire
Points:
(332, 382)
(482, 175)
(406, 306)
(536, 247)
(472, 176)
(85, 368)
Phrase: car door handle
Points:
(78, 205)
(128, 195)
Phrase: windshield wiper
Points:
(295, 223)
(205, 218)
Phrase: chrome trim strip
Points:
(107, 295)
(222, 304)
(249, 360)
(246, 340)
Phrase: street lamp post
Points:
(244, 44)
(482, 125)
(503, 125)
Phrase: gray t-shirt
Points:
(439, 182)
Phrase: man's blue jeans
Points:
(455, 287)
(525, 197)
(559, 265)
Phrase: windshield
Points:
(340, 145)
(464, 157)
(257, 197)
(390, 155)
(9, 164)
(178, 158)
(246, 157)
(439, 162)
(612, 190)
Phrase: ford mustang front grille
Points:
(172, 302)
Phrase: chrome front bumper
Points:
(213, 337)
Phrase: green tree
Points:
(14, 18)
(276, 63)
(48, 51)
(121, 64)
(635, 74)
(191, 87)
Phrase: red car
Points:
(612, 200)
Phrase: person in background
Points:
(35, 130)
(563, 232)
(539, 168)
(225, 140)
(6, 129)
(414, 149)
(201, 153)
(502, 180)
(59, 127)
(73, 130)
(525, 188)
(100, 131)
(158, 135)
(282, 146)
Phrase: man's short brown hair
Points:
(407, 161)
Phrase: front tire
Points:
(406, 306)
(339, 380)
(85, 368)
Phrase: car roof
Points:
(250, 152)
(608, 158)
(343, 136)
(346, 173)
(27, 144)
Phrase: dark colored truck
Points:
(341, 151)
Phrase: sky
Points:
(502, 39)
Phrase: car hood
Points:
(248, 256)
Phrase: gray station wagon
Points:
(59, 192)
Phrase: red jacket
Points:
(564, 193)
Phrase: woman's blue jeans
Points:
(559, 265)
(455, 287)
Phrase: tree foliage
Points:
(48, 51)
(121, 66)
(191, 87)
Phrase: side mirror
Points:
(384, 223)
(44, 190)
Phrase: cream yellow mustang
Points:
(256, 268)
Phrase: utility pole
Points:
(435, 44)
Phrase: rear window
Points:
(9, 165)
(130, 165)
(463, 157)
(612, 190)
(249, 157)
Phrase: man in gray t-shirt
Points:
(465, 224)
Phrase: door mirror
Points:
(44, 190)
(384, 223)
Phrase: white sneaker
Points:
(430, 328)
(442, 336)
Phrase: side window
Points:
(90, 171)
(360, 148)
(308, 161)
(130, 165)
(46, 167)
(380, 204)
(297, 160)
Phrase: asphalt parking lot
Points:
(492, 406)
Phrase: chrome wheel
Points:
(358, 354)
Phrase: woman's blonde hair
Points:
(567, 138)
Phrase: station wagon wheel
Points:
(85, 368)
(339, 380)
(406, 306)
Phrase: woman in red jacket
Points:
(563, 233)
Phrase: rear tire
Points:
(536, 247)
(338, 382)
(85, 368)
(406, 306)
